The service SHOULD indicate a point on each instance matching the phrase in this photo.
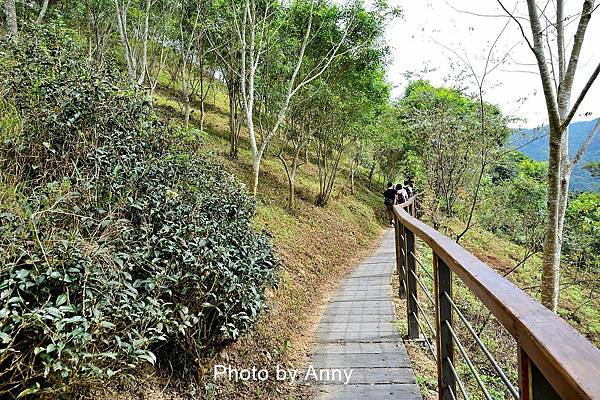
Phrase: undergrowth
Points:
(121, 247)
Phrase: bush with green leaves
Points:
(118, 245)
(582, 233)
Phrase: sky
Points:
(433, 36)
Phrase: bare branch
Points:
(538, 51)
(564, 90)
(585, 145)
(560, 28)
(518, 23)
(468, 12)
(582, 95)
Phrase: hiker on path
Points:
(401, 194)
(389, 199)
(409, 190)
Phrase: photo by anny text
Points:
(310, 375)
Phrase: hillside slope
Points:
(581, 180)
(317, 245)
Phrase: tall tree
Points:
(257, 25)
(557, 76)
(159, 51)
(10, 10)
(489, 137)
(295, 139)
(42, 13)
(191, 44)
(228, 57)
(100, 27)
(134, 38)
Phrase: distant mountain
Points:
(538, 150)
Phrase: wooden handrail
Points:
(565, 358)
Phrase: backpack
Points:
(409, 191)
(402, 196)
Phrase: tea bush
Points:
(119, 246)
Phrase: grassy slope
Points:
(317, 246)
(577, 304)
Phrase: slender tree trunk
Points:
(122, 24)
(233, 137)
(202, 115)
(553, 236)
(290, 171)
(186, 109)
(202, 94)
(185, 82)
(353, 168)
(292, 192)
(371, 172)
(186, 103)
(474, 203)
(42, 14)
(10, 10)
(558, 191)
(142, 76)
(256, 170)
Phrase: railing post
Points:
(397, 243)
(445, 345)
(398, 230)
(411, 287)
(403, 261)
(532, 384)
(416, 205)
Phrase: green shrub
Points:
(118, 246)
(582, 235)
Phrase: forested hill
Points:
(538, 150)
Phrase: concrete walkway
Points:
(358, 334)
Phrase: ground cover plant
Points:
(119, 247)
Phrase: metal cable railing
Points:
(429, 274)
(465, 357)
(424, 288)
(422, 314)
(451, 392)
(457, 379)
(427, 343)
(484, 349)
(420, 306)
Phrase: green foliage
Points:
(582, 233)
(593, 168)
(119, 247)
(455, 137)
(514, 200)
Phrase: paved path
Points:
(358, 333)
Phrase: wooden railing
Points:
(554, 360)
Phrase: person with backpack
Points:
(409, 190)
(401, 195)
(389, 199)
